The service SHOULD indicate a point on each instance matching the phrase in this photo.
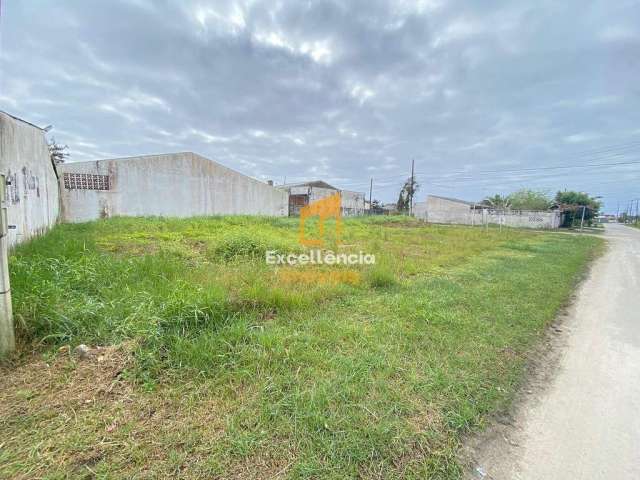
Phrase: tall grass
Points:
(311, 379)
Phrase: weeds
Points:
(236, 369)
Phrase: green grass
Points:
(227, 368)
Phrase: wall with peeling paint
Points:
(170, 185)
(32, 198)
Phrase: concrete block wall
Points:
(444, 210)
(520, 218)
(32, 198)
(171, 185)
(450, 211)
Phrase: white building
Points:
(301, 194)
(170, 185)
(31, 190)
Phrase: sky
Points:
(485, 96)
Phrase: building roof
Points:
(136, 157)
(158, 155)
(22, 120)
(457, 200)
(314, 183)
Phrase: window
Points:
(86, 181)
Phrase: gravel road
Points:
(585, 423)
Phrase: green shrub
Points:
(380, 277)
(240, 245)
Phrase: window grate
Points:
(86, 181)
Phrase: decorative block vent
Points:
(86, 181)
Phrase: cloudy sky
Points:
(486, 96)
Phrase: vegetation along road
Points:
(204, 362)
(585, 425)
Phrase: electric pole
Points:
(370, 196)
(7, 338)
(411, 192)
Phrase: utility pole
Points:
(370, 196)
(7, 336)
(584, 208)
(411, 201)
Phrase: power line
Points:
(466, 176)
(473, 174)
(484, 172)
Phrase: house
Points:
(301, 194)
(171, 185)
(31, 184)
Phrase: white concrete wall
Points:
(441, 210)
(352, 203)
(520, 218)
(317, 193)
(32, 199)
(420, 210)
(170, 185)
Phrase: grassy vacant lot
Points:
(215, 365)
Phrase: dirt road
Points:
(585, 424)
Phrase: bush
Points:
(245, 245)
(380, 277)
(240, 245)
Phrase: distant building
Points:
(169, 185)
(447, 210)
(419, 209)
(31, 189)
(301, 194)
(606, 218)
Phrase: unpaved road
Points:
(585, 424)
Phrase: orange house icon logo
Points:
(325, 208)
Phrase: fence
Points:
(484, 216)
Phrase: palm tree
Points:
(497, 201)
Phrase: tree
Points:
(526, 199)
(57, 152)
(497, 201)
(574, 203)
(407, 193)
